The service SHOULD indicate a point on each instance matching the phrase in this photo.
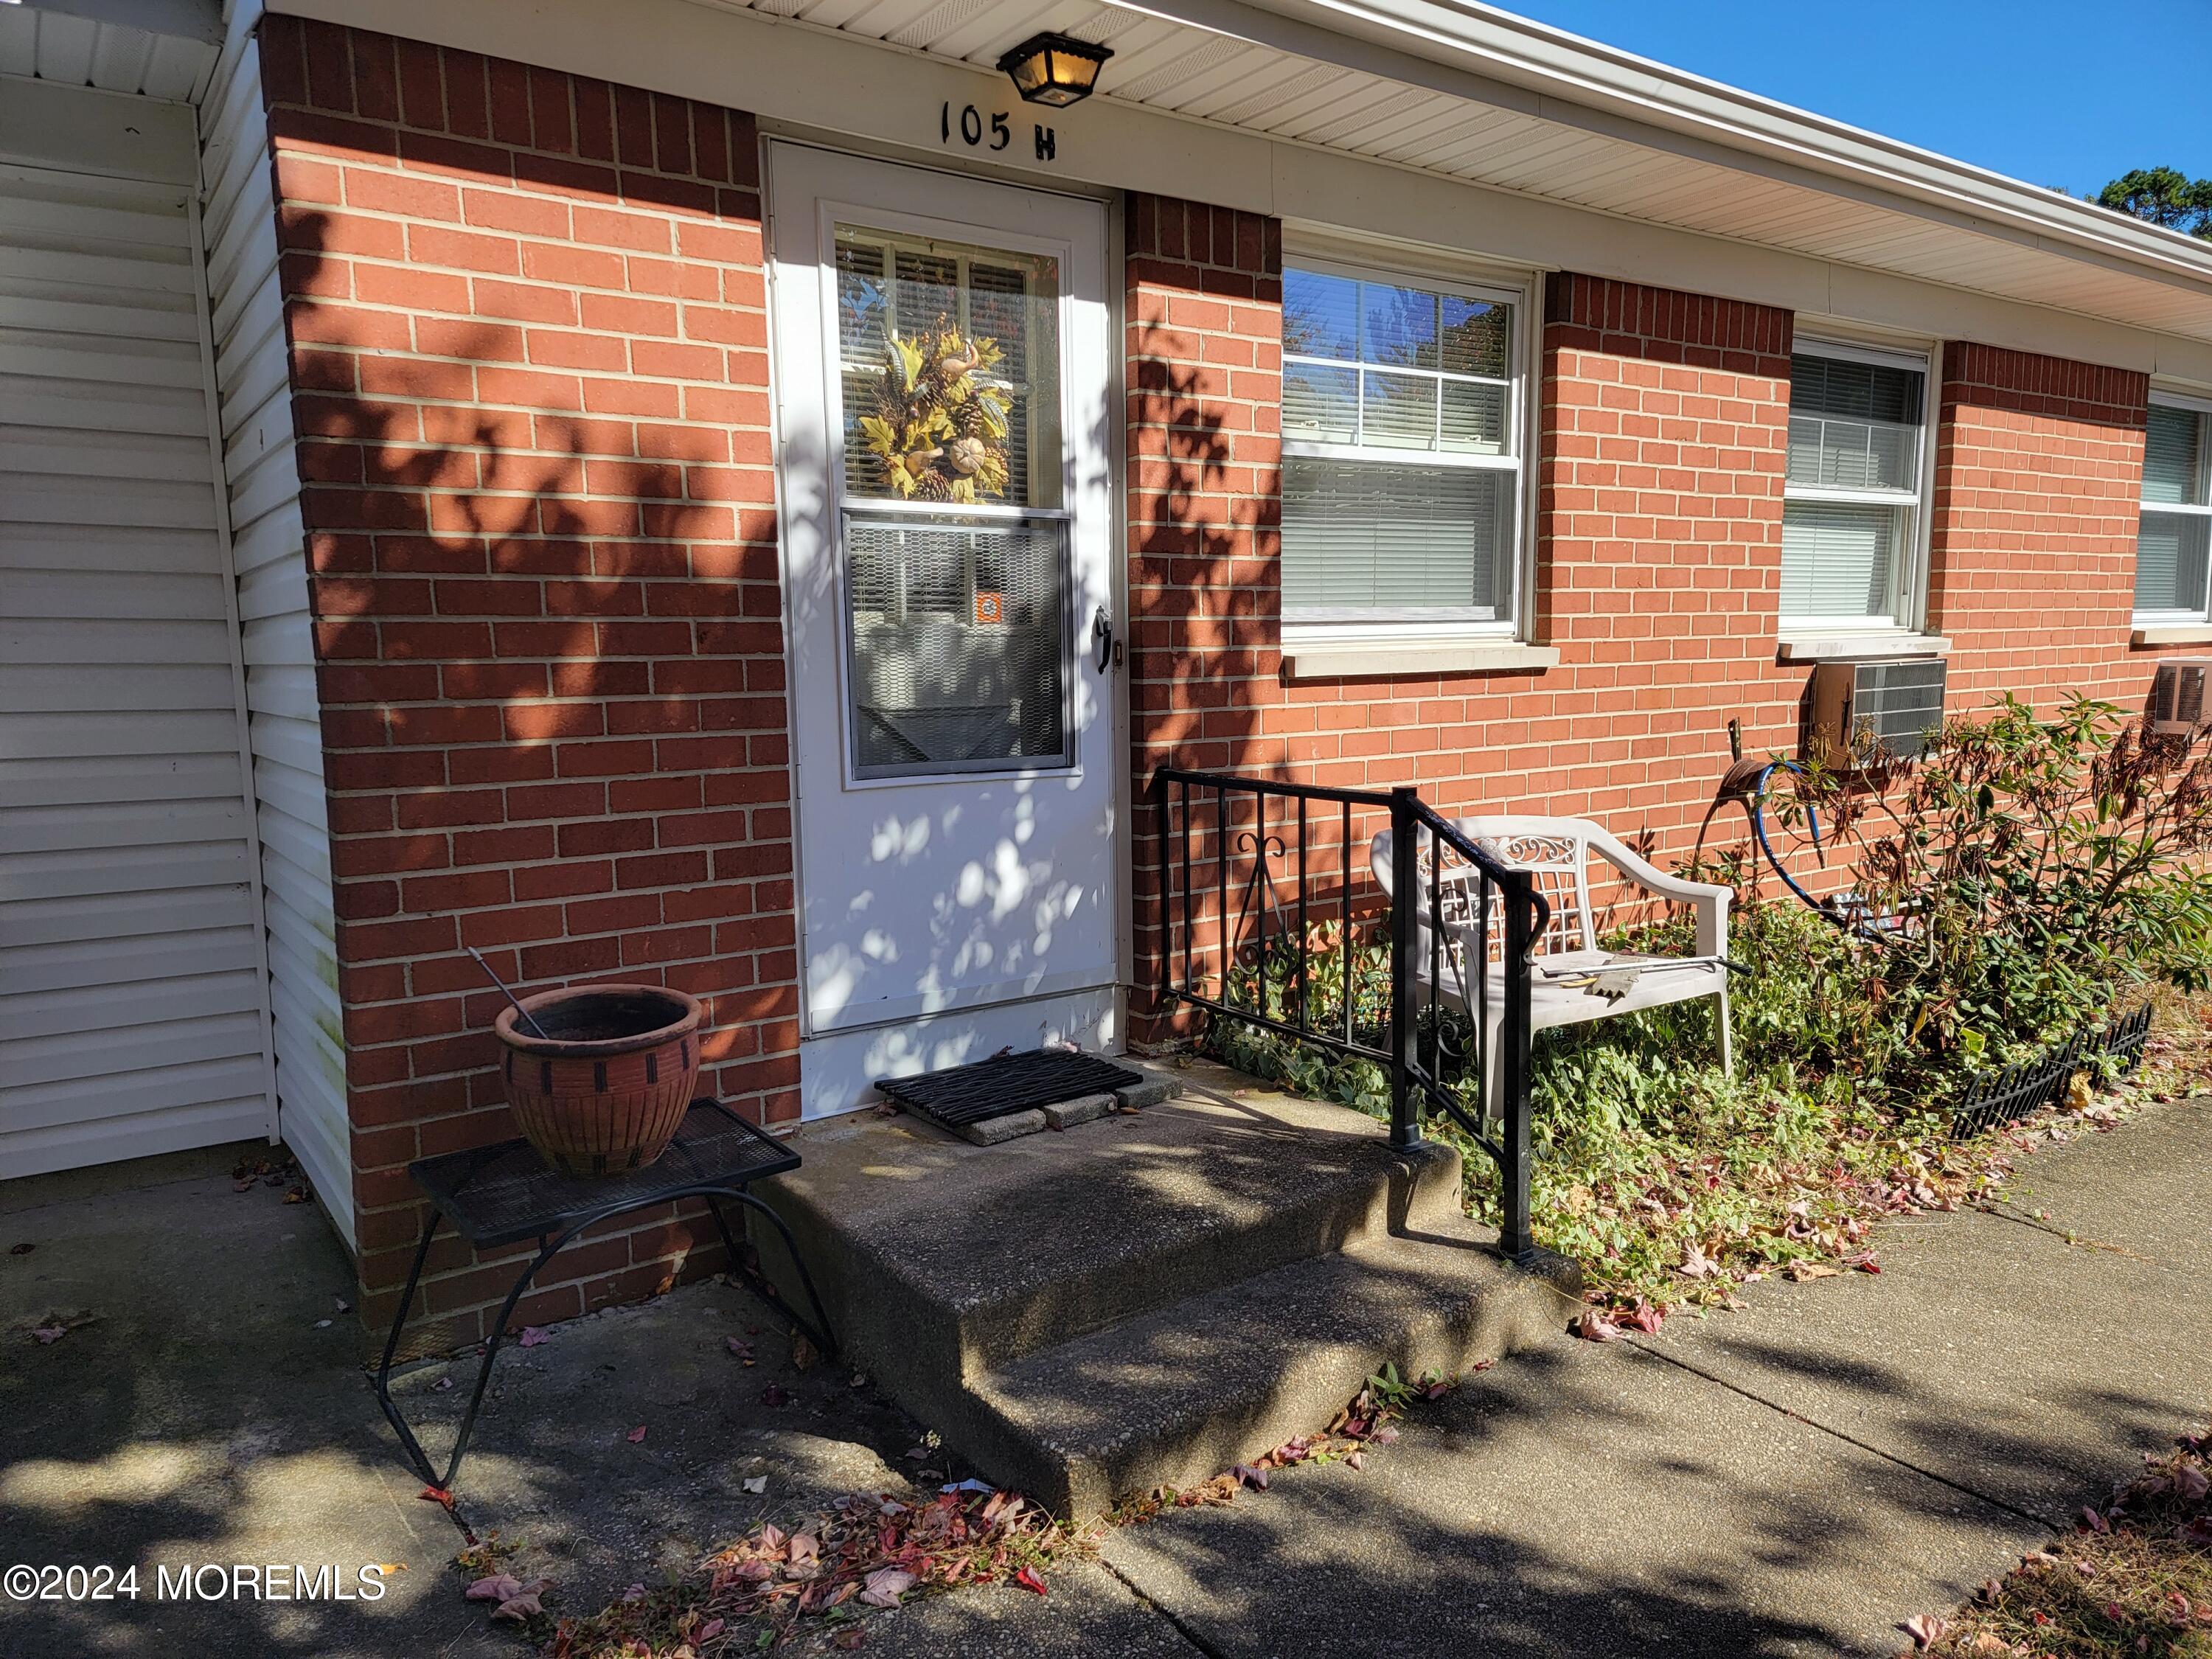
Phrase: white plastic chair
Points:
(1566, 960)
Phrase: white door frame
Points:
(1083, 1005)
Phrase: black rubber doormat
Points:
(1007, 1083)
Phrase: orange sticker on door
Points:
(990, 607)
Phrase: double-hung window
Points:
(1402, 449)
(2172, 561)
(1853, 512)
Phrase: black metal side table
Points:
(496, 1196)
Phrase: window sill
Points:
(1859, 647)
(1379, 658)
(2180, 633)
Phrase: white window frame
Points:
(2202, 405)
(1908, 588)
(1380, 627)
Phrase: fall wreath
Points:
(938, 430)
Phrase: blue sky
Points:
(2065, 95)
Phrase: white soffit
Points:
(164, 48)
(1472, 93)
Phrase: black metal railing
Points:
(1462, 926)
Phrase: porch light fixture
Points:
(1054, 69)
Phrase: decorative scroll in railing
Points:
(1996, 1097)
(1264, 892)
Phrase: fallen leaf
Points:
(442, 1385)
(1594, 1326)
(805, 1549)
(493, 1587)
(756, 1485)
(1924, 1628)
(2094, 1520)
(886, 1585)
(1247, 1475)
(1798, 1273)
(739, 1347)
(24, 1249)
(1695, 1263)
(299, 1195)
(519, 1608)
(635, 1434)
(709, 1631)
(803, 1353)
(1356, 1460)
(47, 1335)
(531, 1336)
(437, 1495)
(1028, 1580)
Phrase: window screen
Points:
(1851, 500)
(954, 555)
(2173, 541)
(1401, 475)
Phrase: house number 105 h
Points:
(972, 125)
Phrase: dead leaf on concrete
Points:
(1797, 1273)
(52, 1326)
(802, 1352)
(755, 1484)
(1594, 1326)
(531, 1336)
(1925, 1629)
(635, 1434)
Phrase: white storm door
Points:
(943, 348)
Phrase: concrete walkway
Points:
(1793, 1478)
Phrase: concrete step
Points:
(1181, 1393)
(939, 1260)
(1148, 1297)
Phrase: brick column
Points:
(1204, 347)
(529, 358)
(1666, 436)
(2038, 476)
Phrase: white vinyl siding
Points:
(1853, 507)
(1402, 449)
(133, 1015)
(2174, 542)
(284, 730)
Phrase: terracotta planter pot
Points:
(607, 1085)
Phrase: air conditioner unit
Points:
(1859, 713)
(2179, 707)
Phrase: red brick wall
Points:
(2038, 472)
(528, 355)
(1204, 321)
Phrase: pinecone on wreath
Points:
(938, 429)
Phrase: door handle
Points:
(1102, 640)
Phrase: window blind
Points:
(1369, 536)
(2174, 451)
(2174, 538)
(1853, 425)
(1837, 558)
(2171, 561)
